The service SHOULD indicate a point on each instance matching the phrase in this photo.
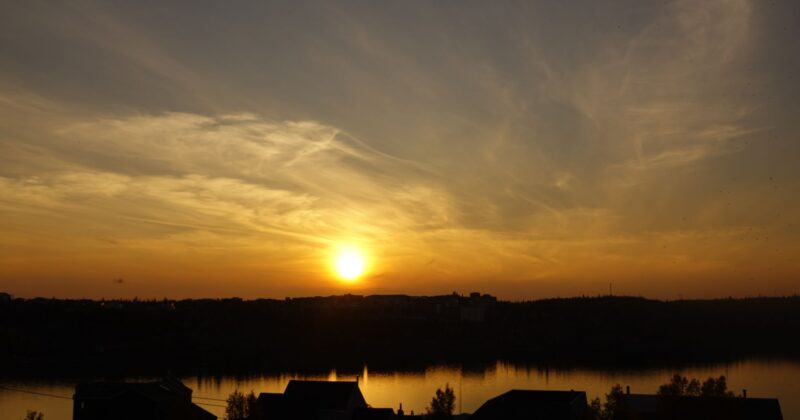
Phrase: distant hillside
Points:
(45, 337)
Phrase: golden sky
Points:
(524, 149)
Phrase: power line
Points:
(211, 405)
(209, 398)
(44, 394)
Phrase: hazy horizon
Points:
(522, 149)
(512, 299)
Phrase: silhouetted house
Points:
(5, 297)
(272, 405)
(655, 407)
(319, 400)
(370, 413)
(534, 405)
(164, 400)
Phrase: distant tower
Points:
(400, 412)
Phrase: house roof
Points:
(706, 408)
(531, 405)
(322, 395)
(270, 398)
(369, 413)
(200, 413)
(171, 394)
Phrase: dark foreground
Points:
(48, 338)
(170, 399)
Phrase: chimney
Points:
(627, 390)
(744, 393)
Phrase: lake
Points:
(779, 379)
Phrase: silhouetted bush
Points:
(242, 407)
(613, 408)
(681, 386)
(33, 415)
(442, 404)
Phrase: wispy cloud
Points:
(471, 141)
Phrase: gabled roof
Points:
(706, 408)
(176, 385)
(323, 395)
(270, 398)
(171, 395)
(200, 413)
(532, 405)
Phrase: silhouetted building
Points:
(320, 400)
(370, 413)
(656, 407)
(534, 405)
(5, 297)
(169, 399)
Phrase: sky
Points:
(525, 149)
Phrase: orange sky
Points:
(526, 149)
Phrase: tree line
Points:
(197, 337)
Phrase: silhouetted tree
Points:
(682, 386)
(595, 410)
(442, 404)
(34, 415)
(242, 407)
(716, 388)
(613, 409)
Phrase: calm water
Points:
(779, 379)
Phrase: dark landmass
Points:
(78, 338)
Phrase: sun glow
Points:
(349, 264)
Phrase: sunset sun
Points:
(349, 264)
(575, 209)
